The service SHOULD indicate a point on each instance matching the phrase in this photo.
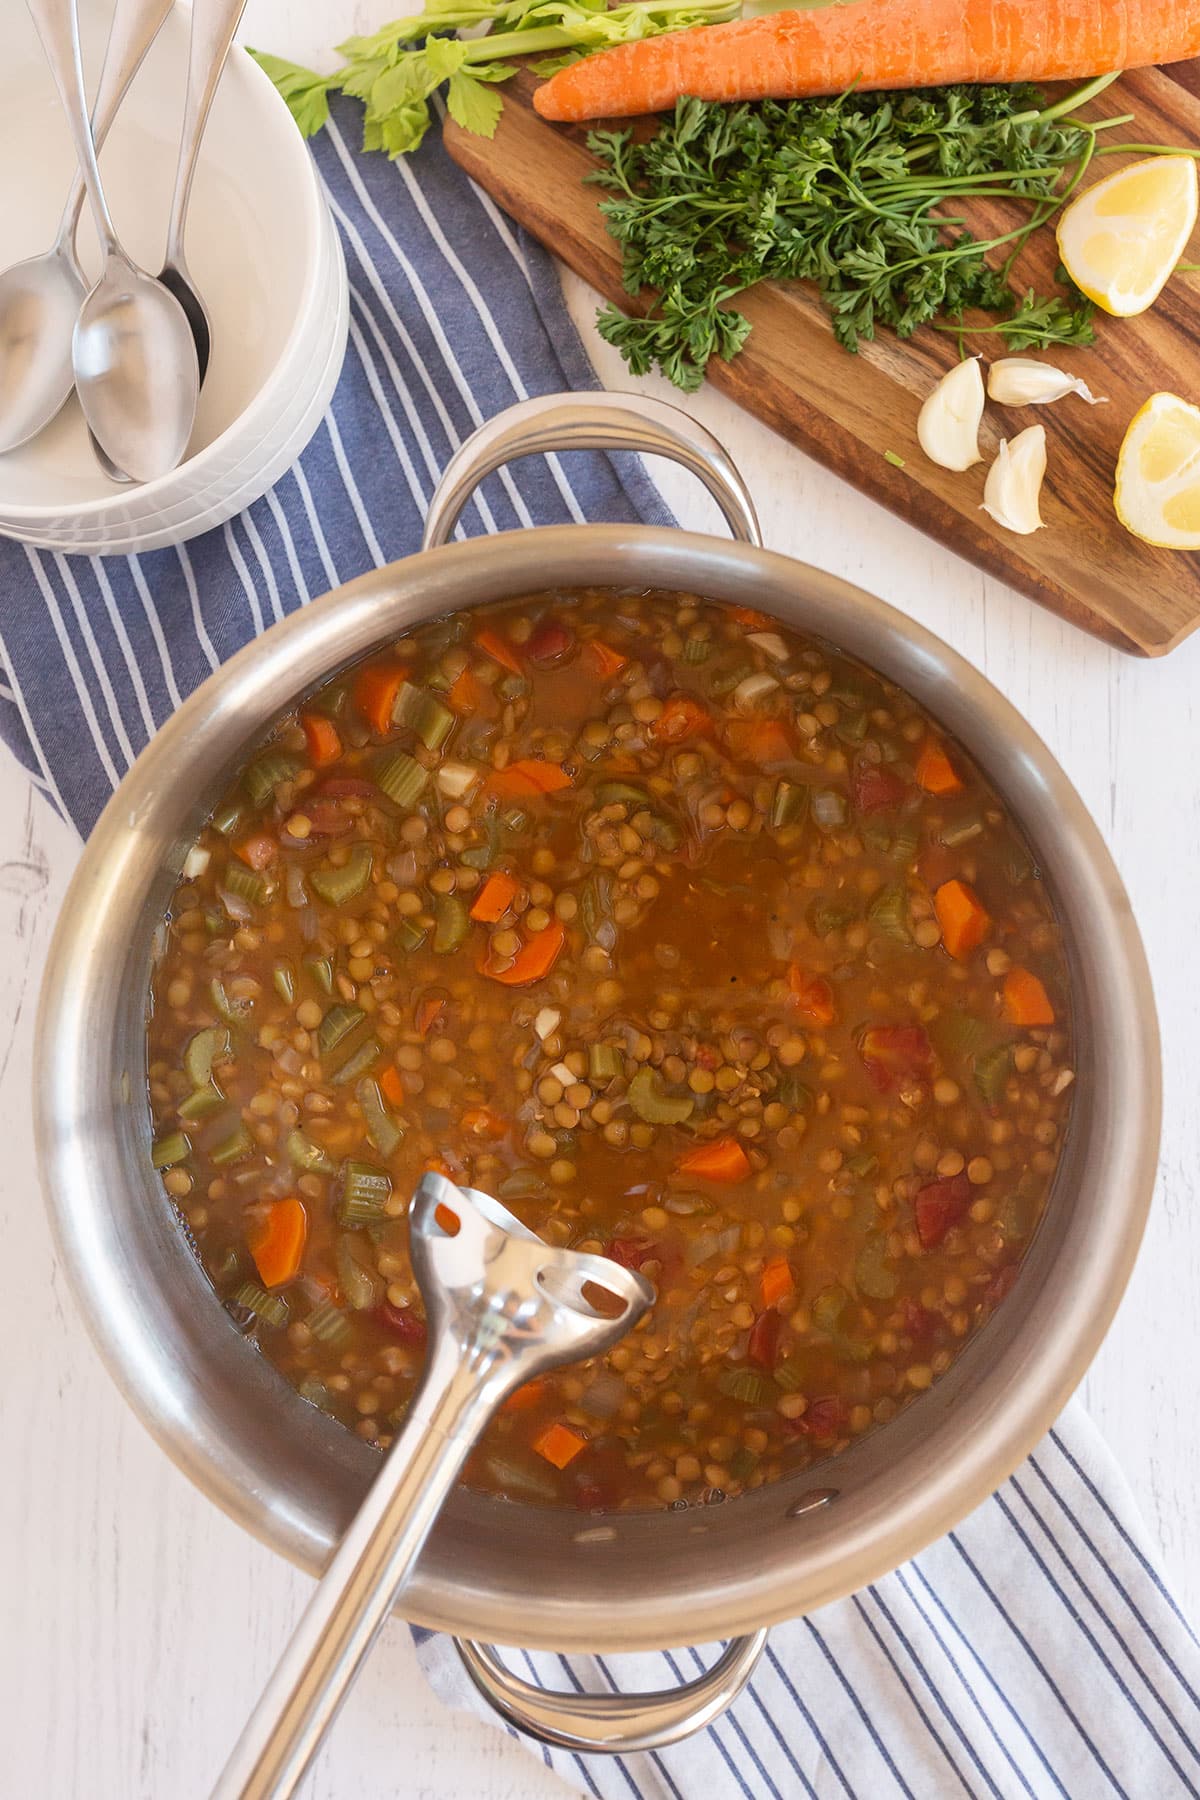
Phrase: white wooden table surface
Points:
(136, 1622)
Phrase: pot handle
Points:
(612, 1724)
(552, 422)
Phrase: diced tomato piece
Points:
(631, 1253)
(877, 788)
(919, 1323)
(892, 1050)
(939, 1206)
(828, 1417)
(427, 1013)
(763, 1347)
(812, 995)
(1001, 1285)
(550, 642)
(347, 787)
(325, 818)
(402, 1322)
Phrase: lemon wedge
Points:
(1157, 494)
(1121, 239)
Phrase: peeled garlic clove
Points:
(1014, 482)
(948, 425)
(1020, 381)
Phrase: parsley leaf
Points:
(861, 195)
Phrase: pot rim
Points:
(1006, 1405)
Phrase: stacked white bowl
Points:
(262, 250)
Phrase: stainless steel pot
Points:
(519, 1574)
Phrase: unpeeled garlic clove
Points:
(1014, 482)
(1021, 381)
(948, 424)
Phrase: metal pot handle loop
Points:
(613, 1723)
(552, 422)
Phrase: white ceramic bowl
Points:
(262, 249)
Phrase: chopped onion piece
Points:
(234, 905)
(403, 868)
(603, 1396)
(771, 642)
(561, 1073)
(293, 881)
(748, 693)
(195, 863)
(547, 1022)
(456, 779)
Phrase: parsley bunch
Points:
(398, 69)
(860, 194)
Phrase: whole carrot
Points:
(874, 44)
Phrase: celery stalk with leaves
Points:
(398, 69)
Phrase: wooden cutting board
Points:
(848, 411)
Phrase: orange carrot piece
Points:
(606, 661)
(559, 1444)
(536, 957)
(464, 694)
(257, 852)
(529, 776)
(495, 897)
(429, 1011)
(777, 1281)
(722, 1160)
(877, 44)
(1026, 1001)
(813, 995)
(391, 1086)
(531, 1394)
(493, 645)
(481, 1121)
(961, 915)
(681, 718)
(278, 1248)
(760, 740)
(752, 619)
(324, 744)
(935, 772)
(375, 693)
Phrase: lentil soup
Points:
(695, 942)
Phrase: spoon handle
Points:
(57, 23)
(213, 25)
(135, 25)
(361, 1584)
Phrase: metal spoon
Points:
(502, 1308)
(213, 25)
(40, 298)
(134, 356)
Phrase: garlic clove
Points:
(948, 425)
(1014, 482)
(1021, 381)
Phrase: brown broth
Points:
(733, 914)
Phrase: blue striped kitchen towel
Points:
(1036, 1651)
